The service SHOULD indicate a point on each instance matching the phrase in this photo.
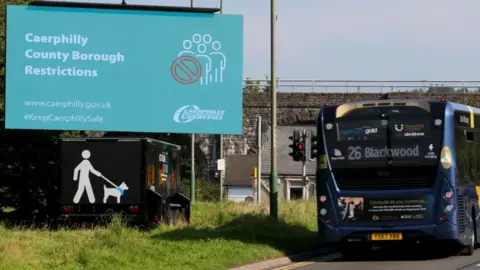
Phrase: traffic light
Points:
(298, 146)
(295, 140)
(301, 150)
(313, 146)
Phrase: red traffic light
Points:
(300, 146)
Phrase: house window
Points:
(296, 193)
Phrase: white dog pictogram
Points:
(114, 192)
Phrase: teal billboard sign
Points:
(123, 70)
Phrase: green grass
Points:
(221, 235)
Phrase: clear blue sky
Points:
(352, 39)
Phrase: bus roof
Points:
(463, 107)
(347, 107)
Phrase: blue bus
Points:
(398, 171)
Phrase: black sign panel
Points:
(361, 130)
(101, 172)
(359, 209)
(399, 140)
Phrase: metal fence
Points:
(363, 86)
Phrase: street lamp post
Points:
(273, 77)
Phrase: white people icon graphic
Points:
(208, 53)
(84, 184)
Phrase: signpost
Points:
(96, 71)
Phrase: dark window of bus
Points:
(381, 147)
(476, 157)
(466, 156)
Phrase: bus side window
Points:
(469, 136)
(461, 156)
(475, 158)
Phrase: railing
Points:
(364, 86)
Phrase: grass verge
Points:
(222, 235)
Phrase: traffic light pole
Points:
(304, 178)
(304, 166)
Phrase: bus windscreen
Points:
(384, 136)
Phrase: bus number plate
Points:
(386, 236)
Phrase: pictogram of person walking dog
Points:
(81, 173)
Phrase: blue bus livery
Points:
(397, 171)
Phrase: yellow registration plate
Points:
(386, 236)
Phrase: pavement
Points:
(406, 259)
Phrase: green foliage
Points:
(205, 191)
(268, 87)
(251, 86)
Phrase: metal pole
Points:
(221, 136)
(273, 78)
(304, 179)
(192, 153)
(259, 158)
(192, 177)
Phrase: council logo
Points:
(189, 113)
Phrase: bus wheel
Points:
(469, 249)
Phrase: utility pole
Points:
(192, 156)
(273, 78)
(259, 158)
(221, 135)
(192, 177)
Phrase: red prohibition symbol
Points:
(186, 69)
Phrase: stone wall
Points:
(298, 108)
(302, 108)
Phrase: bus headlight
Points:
(449, 208)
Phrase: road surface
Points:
(389, 260)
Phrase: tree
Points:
(251, 86)
(268, 87)
(440, 89)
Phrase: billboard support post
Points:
(273, 79)
(192, 153)
(221, 137)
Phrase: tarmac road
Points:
(390, 259)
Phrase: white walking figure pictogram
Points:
(84, 168)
